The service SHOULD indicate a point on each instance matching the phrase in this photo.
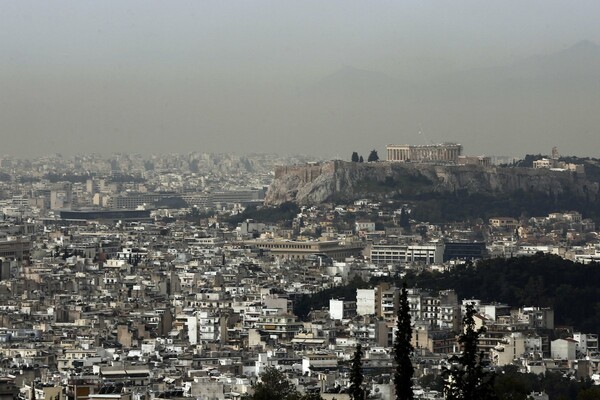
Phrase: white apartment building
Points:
(441, 311)
(563, 349)
(587, 343)
(341, 309)
(365, 301)
(208, 326)
(432, 253)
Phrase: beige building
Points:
(552, 163)
(300, 250)
(510, 348)
(284, 326)
(482, 161)
(503, 222)
(444, 152)
(17, 248)
(563, 349)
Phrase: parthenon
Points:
(444, 152)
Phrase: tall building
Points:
(444, 152)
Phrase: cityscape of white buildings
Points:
(132, 279)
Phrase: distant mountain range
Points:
(356, 82)
(574, 64)
(528, 106)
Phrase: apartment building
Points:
(432, 253)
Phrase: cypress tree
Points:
(356, 375)
(403, 349)
(467, 379)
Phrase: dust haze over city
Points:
(321, 78)
(309, 200)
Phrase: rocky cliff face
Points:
(345, 181)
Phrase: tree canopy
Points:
(285, 212)
(373, 156)
(305, 303)
(543, 280)
(274, 385)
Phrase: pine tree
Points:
(373, 156)
(274, 386)
(355, 157)
(361, 159)
(467, 379)
(403, 349)
(356, 375)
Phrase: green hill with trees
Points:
(571, 289)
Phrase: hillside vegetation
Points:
(571, 289)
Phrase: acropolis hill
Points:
(346, 181)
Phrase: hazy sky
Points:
(181, 76)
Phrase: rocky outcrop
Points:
(346, 181)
